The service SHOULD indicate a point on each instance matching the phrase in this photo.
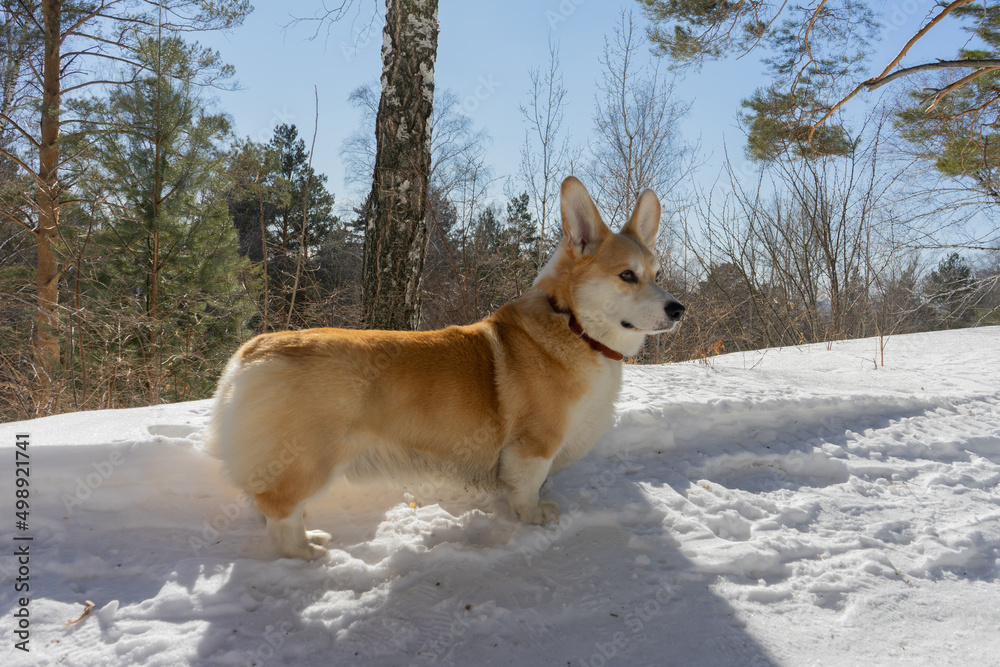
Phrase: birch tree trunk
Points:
(396, 226)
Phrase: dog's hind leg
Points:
(524, 476)
(284, 507)
(287, 477)
(290, 536)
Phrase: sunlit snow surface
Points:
(794, 507)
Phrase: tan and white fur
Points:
(497, 405)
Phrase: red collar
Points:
(576, 328)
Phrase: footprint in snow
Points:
(173, 430)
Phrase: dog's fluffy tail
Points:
(212, 434)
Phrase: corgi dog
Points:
(497, 405)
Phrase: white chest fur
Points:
(590, 418)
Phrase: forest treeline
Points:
(141, 240)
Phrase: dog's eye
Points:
(628, 276)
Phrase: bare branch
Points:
(23, 132)
(985, 64)
(20, 163)
(918, 35)
(955, 84)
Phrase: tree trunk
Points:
(396, 225)
(47, 286)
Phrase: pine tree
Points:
(815, 53)
(950, 290)
(172, 246)
(301, 182)
(521, 243)
(957, 131)
(274, 191)
(74, 36)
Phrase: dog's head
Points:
(609, 280)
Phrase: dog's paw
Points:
(315, 551)
(319, 537)
(550, 512)
(544, 513)
(307, 551)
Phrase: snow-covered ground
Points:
(794, 507)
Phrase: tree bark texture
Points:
(395, 220)
(47, 285)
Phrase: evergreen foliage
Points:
(950, 289)
(165, 234)
(811, 55)
(274, 192)
(815, 54)
(957, 132)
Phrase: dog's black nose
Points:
(674, 310)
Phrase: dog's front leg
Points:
(524, 474)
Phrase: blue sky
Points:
(485, 51)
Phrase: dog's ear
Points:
(645, 220)
(581, 222)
